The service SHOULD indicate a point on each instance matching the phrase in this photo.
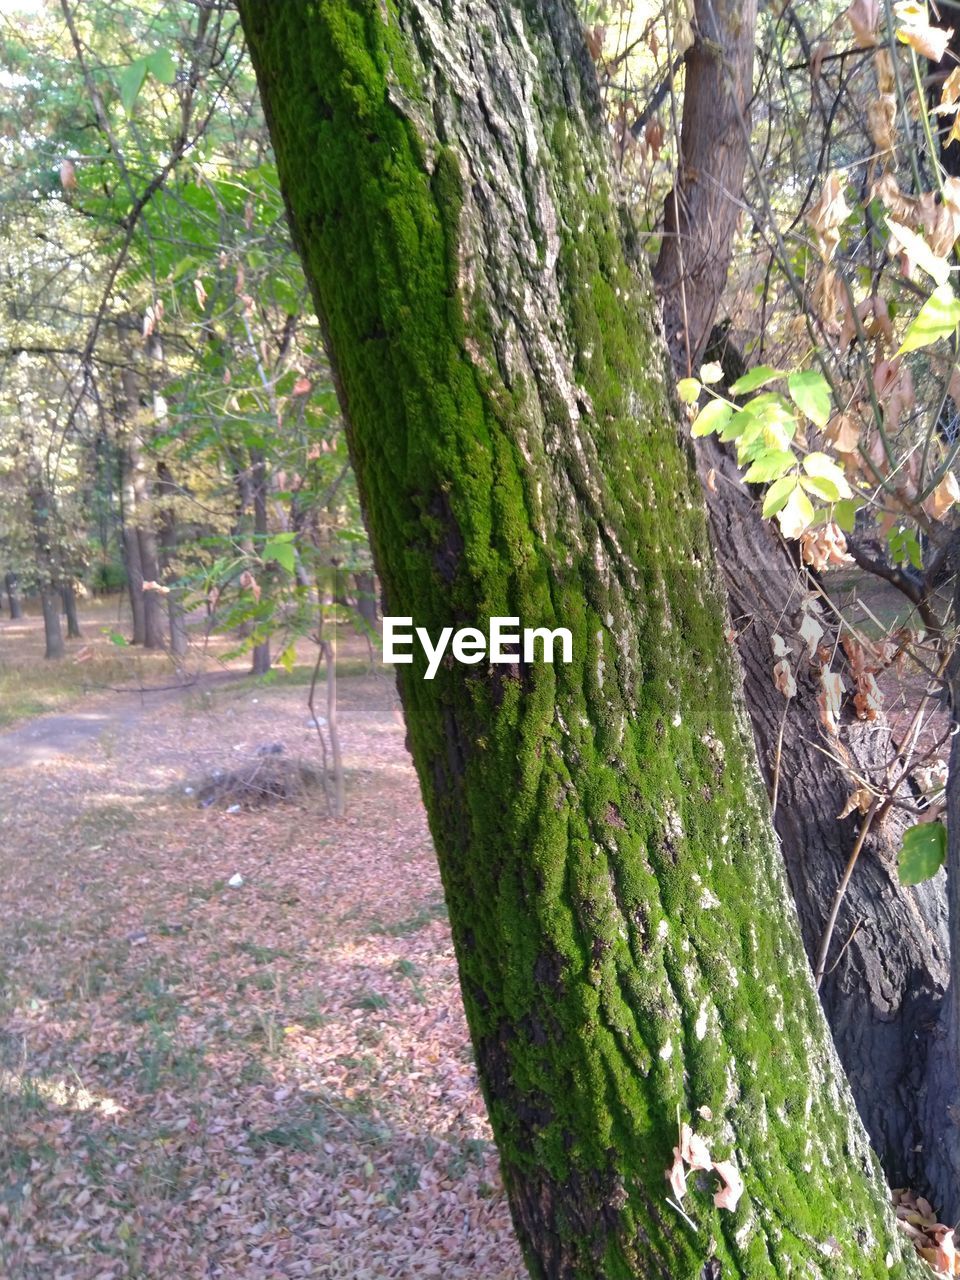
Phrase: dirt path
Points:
(257, 1082)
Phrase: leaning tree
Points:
(629, 955)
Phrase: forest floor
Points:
(200, 1080)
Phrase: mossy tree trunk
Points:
(627, 947)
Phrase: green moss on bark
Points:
(626, 947)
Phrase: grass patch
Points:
(436, 910)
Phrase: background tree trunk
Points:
(627, 948)
(42, 520)
(700, 216)
(261, 652)
(68, 596)
(13, 595)
(166, 489)
(153, 630)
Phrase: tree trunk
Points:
(700, 216)
(627, 948)
(367, 605)
(258, 471)
(68, 597)
(168, 550)
(52, 631)
(891, 945)
(13, 595)
(42, 520)
(882, 997)
(139, 535)
(153, 631)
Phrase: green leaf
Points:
(821, 487)
(288, 657)
(119, 640)
(777, 495)
(845, 514)
(737, 425)
(770, 465)
(820, 466)
(937, 318)
(130, 82)
(810, 392)
(688, 389)
(797, 514)
(753, 378)
(712, 417)
(162, 66)
(282, 550)
(923, 853)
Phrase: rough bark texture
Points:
(153, 629)
(700, 216)
(942, 1094)
(624, 932)
(882, 997)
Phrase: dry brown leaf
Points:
(822, 547)
(864, 19)
(817, 55)
(200, 292)
(943, 497)
(882, 122)
(868, 700)
(728, 1197)
(811, 633)
(827, 216)
(858, 801)
(68, 175)
(694, 1149)
(783, 679)
(883, 66)
(916, 31)
(829, 700)
(677, 1177)
(843, 433)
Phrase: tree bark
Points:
(153, 630)
(261, 651)
(701, 211)
(627, 948)
(169, 538)
(12, 584)
(42, 520)
(68, 597)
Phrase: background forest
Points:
(233, 1039)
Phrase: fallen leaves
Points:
(693, 1153)
(933, 1240)
(207, 1138)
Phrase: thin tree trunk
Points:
(168, 550)
(261, 652)
(68, 597)
(13, 595)
(628, 953)
(701, 211)
(127, 408)
(153, 629)
(42, 520)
